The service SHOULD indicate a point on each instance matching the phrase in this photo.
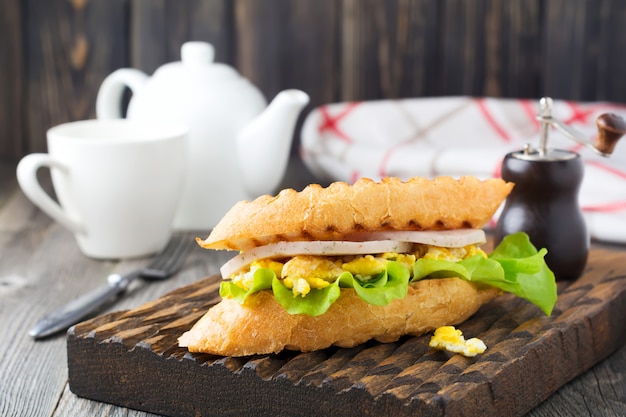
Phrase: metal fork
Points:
(166, 264)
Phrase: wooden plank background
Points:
(54, 54)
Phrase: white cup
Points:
(118, 183)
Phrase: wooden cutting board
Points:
(131, 358)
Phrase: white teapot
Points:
(238, 145)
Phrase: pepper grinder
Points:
(544, 202)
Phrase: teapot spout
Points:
(263, 146)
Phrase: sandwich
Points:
(343, 264)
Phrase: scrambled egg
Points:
(305, 272)
(452, 254)
(403, 258)
(365, 266)
(244, 279)
(451, 339)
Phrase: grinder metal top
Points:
(611, 128)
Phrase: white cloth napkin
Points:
(461, 136)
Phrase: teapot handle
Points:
(109, 100)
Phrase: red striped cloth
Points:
(461, 136)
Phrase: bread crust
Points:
(262, 325)
(318, 213)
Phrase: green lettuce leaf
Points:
(262, 280)
(515, 266)
(316, 302)
(526, 273)
(393, 283)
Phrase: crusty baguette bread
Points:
(318, 213)
(262, 325)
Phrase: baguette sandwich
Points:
(374, 260)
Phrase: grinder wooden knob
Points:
(611, 128)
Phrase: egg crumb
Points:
(451, 339)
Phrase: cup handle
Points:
(27, 178)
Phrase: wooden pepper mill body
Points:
(544, 204)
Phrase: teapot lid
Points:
(197, 53)
(198, 56)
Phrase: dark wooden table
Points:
(42, 268)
